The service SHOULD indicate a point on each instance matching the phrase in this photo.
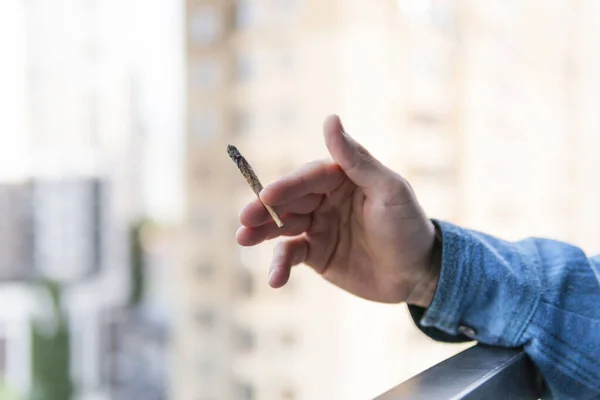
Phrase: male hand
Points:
(353, 220)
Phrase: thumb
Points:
(360, 166)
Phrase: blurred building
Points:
(262, 75)
(68, 227)
(67, 211)
(525, 119)
(237, 339)
(485, 107)
(81, 126)
(16, 232)
(135, 352)
(135, 337)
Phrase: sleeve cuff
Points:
(417, 314)
(485, 291)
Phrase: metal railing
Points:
(480, 372)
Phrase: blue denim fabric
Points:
(540, 294)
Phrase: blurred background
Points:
(120, 277)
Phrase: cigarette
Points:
(252, 180)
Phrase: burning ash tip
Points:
(233, 152)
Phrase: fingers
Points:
(294, 224)
(360, 166)
(254, 213)
(285, 256)
(315, 177)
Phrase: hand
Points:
(353, 220)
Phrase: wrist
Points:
(424, 290)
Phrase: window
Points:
(244, 14)
(205, 318)
(204, 75)
(205, 124)
(16, 233)
(206, 270)
(203, 222)
(66, 228)
(204, 24)
(206, 367)
(243, 68)
(245, 391)
(245, 340)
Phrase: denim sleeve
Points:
(540, 294)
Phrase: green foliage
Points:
(50, 345)
(136, 264)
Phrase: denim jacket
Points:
(540, 294)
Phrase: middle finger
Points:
(254, 213)
(294, 224)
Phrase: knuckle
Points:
(311, 165)
(361, 157)
(363, 154)
(315, 163)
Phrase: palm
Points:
(351, 236)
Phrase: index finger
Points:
(315, 177)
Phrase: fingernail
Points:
(271, 274)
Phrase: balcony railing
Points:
(480, 372)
